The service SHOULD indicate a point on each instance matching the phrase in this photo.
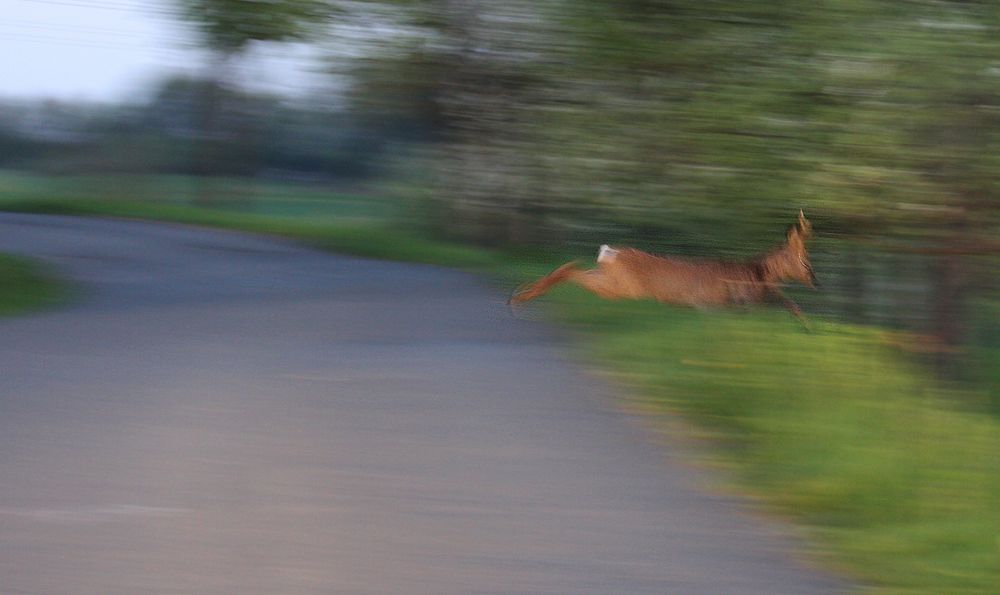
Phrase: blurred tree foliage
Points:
(703, 127)
(229, 26)
(652, 111)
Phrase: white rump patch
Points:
(606, 253)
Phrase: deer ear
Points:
(802, 219)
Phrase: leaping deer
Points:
(627, 273)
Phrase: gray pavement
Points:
(227, 414)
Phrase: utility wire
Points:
(105, 5)
(18, 26)
(94, 44)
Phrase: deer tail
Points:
(530, 291)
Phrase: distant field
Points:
(891, 472)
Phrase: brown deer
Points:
(627, 273)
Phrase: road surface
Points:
(227, 414)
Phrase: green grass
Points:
(830, 428)
(24, 286)
(894, 476)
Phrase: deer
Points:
(628, 273)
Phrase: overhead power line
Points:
(18, 26)
(87, 43)
(101, 5)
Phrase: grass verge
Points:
(889, 471)
(25, 286)
(884, 467)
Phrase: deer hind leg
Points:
(594, 280)
(539, 288)
(598, 282)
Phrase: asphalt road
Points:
(228, 414)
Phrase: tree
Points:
(229, 26)
(227, 29)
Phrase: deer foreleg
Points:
(792, 307)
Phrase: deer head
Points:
(797, 266)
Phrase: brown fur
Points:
(627, 273)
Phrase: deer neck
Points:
(777, 265)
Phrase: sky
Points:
(115, 50)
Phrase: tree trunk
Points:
(209, 153)
(948, 311)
